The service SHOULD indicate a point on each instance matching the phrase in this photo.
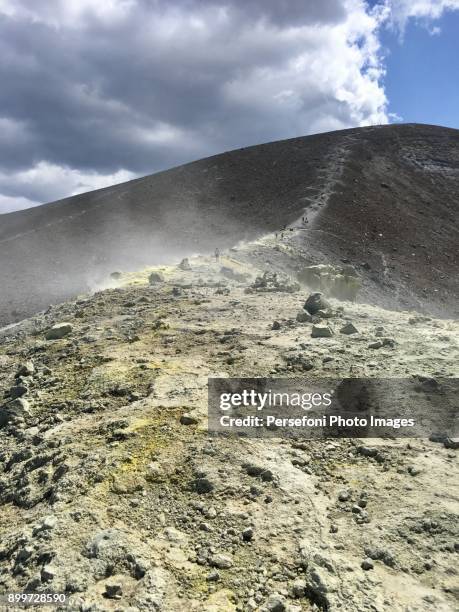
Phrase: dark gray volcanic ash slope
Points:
(387, 199)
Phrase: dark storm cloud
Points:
(138, 86)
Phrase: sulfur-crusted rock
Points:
(340, 282)
(272, 281)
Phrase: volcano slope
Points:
(384, 198)
(113, 492)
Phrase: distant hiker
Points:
(217, 254)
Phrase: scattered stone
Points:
(155, 277)
(113, 591)
(367, 451)
(184, 264)
(344, 495)
(48, 523)
(276, 325)
(48, 573)
(60, 330)
(348, 329)
(188, 419)
(272, 281)
(303, 317)
(299, 588)
(376, 345)
(17, 408)
(210, 513)
(299, 362)
(153, 472)
(451, 443)
(321, 331)
(367, 564)
(380, 554)
(205, 527)
(175, 535)
(247, 534)
(213, 577)
(116, 275)
(319, 585)
(26, 369)
(261, 472)
(276, 603)
(221, 561)
(203, 485)
(18, 391)
(316, 302)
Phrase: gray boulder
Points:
(155, 277)
(316, 302)
(60, 330)
(17, 408)
(321, 331)
(221, 561)
(188, 419)
(348, 329)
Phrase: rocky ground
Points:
(113, 492)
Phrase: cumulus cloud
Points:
(424, 11)
(96, 91)
(31, 187)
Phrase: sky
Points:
(97, 92)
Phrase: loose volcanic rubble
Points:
(112, 491)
